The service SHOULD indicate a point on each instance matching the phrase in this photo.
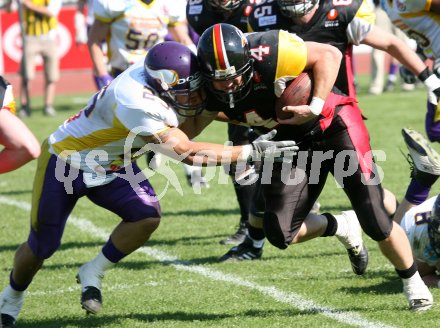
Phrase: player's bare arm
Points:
(98, 32)
(193, 126)
(324, 60)
(174, 143)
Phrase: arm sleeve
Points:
(357, 30)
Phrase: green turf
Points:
(176, 280)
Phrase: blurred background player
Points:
(139, 110)
(40, 31)
(201, 15)
(378, 58)
(19, 144)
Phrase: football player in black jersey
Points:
(342, 24)
(244, 75)
(201, 14)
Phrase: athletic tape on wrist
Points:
(246, 152)
(316, 105)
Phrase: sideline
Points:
(294, 300)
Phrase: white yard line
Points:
(295, 300)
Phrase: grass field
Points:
(176, 281)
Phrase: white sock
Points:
(101, 264)
(342, 229)
(415, 279)
(10, 292)
(257, 243)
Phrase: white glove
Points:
(263, 147)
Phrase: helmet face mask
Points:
(296, 8)
(173, 71)
(225, 6)
(434, 227)
(223, 53)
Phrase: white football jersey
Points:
(135, 27)
(415, 224)
(413, 17)
(95, 140)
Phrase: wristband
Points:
(424, 75)
(316, 105)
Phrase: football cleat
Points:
(358, 258)
(243, 252)
(90, 280)
(352, 241)
(237, 238)
(8, 321)
(91, 300)
(11, 303)
(424, 160)
(418, 295)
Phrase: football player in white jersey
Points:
(419, 19)
(422, 226)
(131, 28)
(92, 154)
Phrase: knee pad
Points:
(273, 231)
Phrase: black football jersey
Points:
(257, 109)
(200, 16)
(328, 25)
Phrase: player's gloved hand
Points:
(264, 147)
(406, 75)
(432, 82)
(102, 81)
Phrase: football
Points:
(298, 92)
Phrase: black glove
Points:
(265, 148)
(406, 75)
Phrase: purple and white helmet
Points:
(172, 69)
